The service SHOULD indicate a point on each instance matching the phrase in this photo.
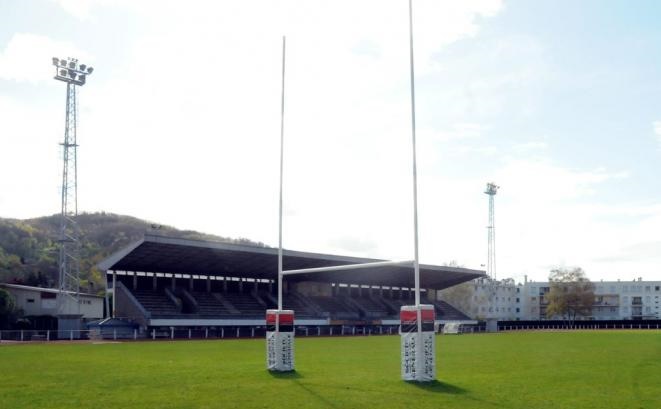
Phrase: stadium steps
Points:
(447, 312)
(228, 305)
(370, 307)
(303, 308)
(156, 303)
(208, 305)
(245, 303)
(335, 307)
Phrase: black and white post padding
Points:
(280, 340)
(417, 343)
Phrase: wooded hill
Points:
(29, 248)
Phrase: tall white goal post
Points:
(418, 360)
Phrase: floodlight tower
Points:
(491, 190)
(74, 74)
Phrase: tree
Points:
(571, 294)
(7, 308)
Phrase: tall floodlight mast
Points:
(491, 190)
(73, 74)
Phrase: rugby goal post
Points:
(417, 343)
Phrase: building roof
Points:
(43, 290)
(158, 254)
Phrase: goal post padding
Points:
(418, 349)
(280, 340)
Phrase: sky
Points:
(557, 102)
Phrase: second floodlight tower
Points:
(491, 191)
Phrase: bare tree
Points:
(571, 294)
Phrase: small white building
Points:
(41, 302)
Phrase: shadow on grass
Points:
(438, 387)
(296, 378)
(286, 375)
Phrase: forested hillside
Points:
(29, 249)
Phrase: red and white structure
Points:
(418, 346)
(280, 340)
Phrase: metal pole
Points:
(282, 143)
(114, 293)
(416, 262)
(106, 298)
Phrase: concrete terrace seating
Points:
(245, 303)
(291, 301)
(157, 303)
(209, 305)
(301, 310)
(372, 307)
(395, 304)
(335, 307)
(445, 311)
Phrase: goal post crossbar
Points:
(349, 267)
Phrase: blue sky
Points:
(554, 101)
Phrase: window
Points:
(625, 309)
(518, 310)
(648, 288)
(612, 289)
(625, 299)
(625, 289)
(517, 300)
(648, 299)
(648, 309)
(30, 300)
(533, 290)
(657, 288)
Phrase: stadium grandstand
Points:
(164, 283)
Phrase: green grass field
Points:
(604, 369)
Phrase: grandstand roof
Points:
(158, 254)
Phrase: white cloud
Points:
(657, 131)
(27, 57)
(184, 130)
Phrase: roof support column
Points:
(173, 282)
(135, 280)
(114, 293)
(208, 284)
(190, 283)
(154, 282)
(107, 301)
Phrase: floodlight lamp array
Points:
(491, 189)
(70, 71)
